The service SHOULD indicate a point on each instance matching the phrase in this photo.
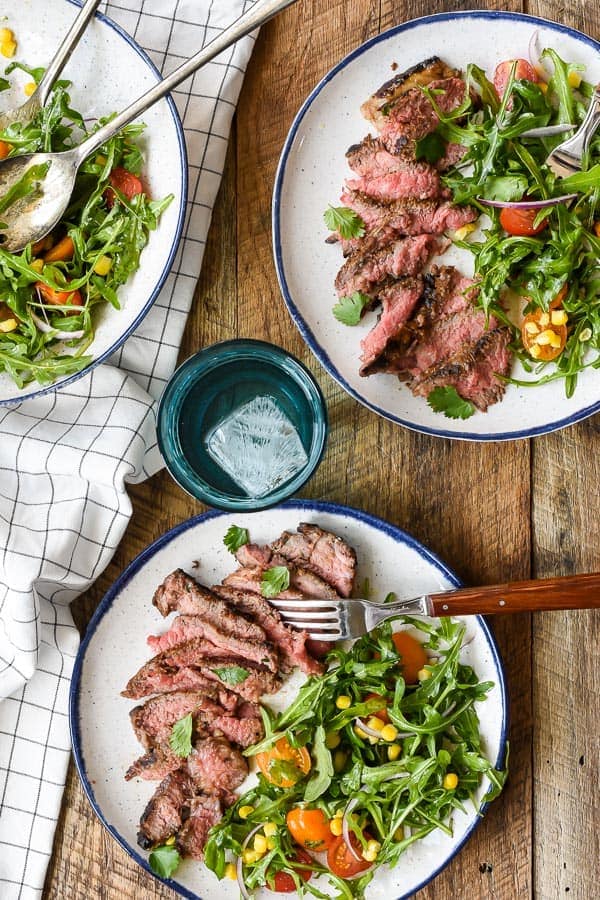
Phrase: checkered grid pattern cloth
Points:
(66, 458)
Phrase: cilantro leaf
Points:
(4, 84)
(448, 401)
(232, 674)
(274, 581)
(348, 310)
(431, 147)
(180, 738)
(235, 538)
(345, 221)
(164, 860)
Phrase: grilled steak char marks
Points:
(367, 272)
(408, 217)
(399, 301)
(377, 107)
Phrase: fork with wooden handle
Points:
(335, 620)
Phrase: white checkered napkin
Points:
(66, 458)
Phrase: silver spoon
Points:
(30, 218)
(28, 110)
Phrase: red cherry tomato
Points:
(58, 298)
(524, 71)
(125, 182)
(341, 860)
(283, 882)
(519, 221)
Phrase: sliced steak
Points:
(445, 338)
(291, 643)
(366, 272)
(154, 765)
(216, 767)
(153, 720)
(222, 626)
(249, 555)
(413, 116)
(399, 301)
(408, 217)
(244, 731)
(250, 579)
(163, 816)
(446, 292)
(204, 812)
(377, 107)
(453, 155)
(473, 370)
(324, 553)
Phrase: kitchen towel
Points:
(67, 457)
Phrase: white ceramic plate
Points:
(310, 176)
(115, 647)
(108, 71)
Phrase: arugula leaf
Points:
(447, 400)
(348, 310)
(431, 147)
(164, 860)
(4, 84)
(274, 581)
(323, 767)
(232, 674)
(235, 538)
(504, 187)
(345, 221)
(180, 739)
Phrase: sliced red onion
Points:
(345, 829)
(59, 335)
(534, 53)
(239, 864)
(527, 204)
(547, 130)
(449, 710)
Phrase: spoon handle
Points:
(261, 12)
(65, 50)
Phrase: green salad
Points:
(368, 759)
(49, 292)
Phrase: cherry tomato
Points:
(524, 71)
(381, 713)
(4, 149)
(412, 653)
(283, 882)
(58, 298)
(309, 828)
(542, 322)
(125, 182)
(519, 221)
(283, 751)
(341, 860)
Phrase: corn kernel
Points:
(393, 752)
(332, 740)
(30, 88)
(103, 265)
(250, 856)
(8, 48)
(339, 760)
(260, 843)
(544, 319)
(8, 325)
(343, 701)
(574, 79)
(531, 328)
(339, 814)
(6, 34)
(399, 833)
(423, 674)
(545, 338)
(270, 828)
(170, 841)
(336, 827)
(461, 233)
(371, 850)
(360, 733)
(389, 733)
(585, 334)
(271, 843)
(450, 781)
(535, 351)
(555, 341)
(375, 723)
(100, 160)
(543, 86)
(558, 317)
(373, 845)
(231, 871)
(245, 811)
(37, 264)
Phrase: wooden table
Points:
(494, 512)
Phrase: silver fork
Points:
(336, 620)
(566, 158)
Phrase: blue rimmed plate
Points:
(108, 70)
(114, 647)
(310, 176)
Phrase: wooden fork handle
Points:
(567, 592)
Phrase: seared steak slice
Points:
(376, 108)
(453, 155)
(216, 767)
(392, 176)
(204, 812)
(413, 116)
(445, 338)
(472, 371)
(250, 555)
(399, 301)
(365, 272)
(324, 553)
(153, 720)
(183, 628)
(245, 731)
(446, 292)
(221, 625)
(291, 643)
(163, 816)
(248, 578)
(408, 217)
(154, 765)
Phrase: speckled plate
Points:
(310, 176)
(115, 647)
(108, 71)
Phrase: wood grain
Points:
(474, 505)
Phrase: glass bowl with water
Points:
(242, 425)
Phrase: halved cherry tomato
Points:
(58, 298)
(125, 182)
(381, 713)
(519, 222)
(283, 881)
(309, 828)
(63, 250)
(412, 653)
(524, 71)
(282, 751)
(546, 331)
(4, 149)
(341, 860)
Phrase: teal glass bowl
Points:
(212, 386)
